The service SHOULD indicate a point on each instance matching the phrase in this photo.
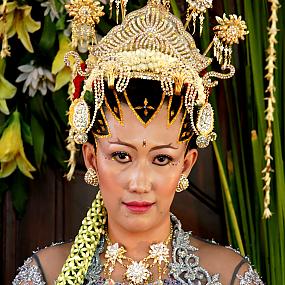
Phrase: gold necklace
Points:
(137, 272)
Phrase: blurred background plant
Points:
(34, 99)
(251, 157)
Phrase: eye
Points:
(162, 159)
(121, 156)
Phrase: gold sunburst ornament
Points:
(86, 14)
(228, 32)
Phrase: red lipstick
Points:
(138, 206)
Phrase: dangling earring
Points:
(183, 183)
(91, 177)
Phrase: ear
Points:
(89, 155)
(189, 161)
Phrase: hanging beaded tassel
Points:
(204, 125)
(85, 13)
(228, 32)
(120, 4)
(197, 8)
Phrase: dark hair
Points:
(137, 90)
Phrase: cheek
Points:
(165, 186)
(109, 181)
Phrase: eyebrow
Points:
(133, 147)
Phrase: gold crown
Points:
(150, 43)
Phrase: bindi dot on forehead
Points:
(144, 143)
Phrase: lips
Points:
(138, 206)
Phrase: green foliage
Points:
(241, 157)
(43, 112)
(43, 117)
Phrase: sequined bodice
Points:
(184, 269)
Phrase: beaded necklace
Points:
(137, 272)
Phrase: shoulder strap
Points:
(38, 262)
(242, 262)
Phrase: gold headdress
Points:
(151, 43)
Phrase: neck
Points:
(137, 242)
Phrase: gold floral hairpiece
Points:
(152, 44)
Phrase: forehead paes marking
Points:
(119, 142)
(164, 146)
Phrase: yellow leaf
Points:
(7, 90)
(62, 78)
(11, 6)
(64, 46)
(10, 27)
(24, 165)
(19, 20)
(11, 139)
(12, 150)
(22, 33)
(3, 107)
(7, 168)
(30, 24)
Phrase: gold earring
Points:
(183, 183)
(91, 177)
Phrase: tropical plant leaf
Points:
(38, 140)
(48, 37)
(18, 188)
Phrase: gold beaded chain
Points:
(137, 272)
(85, 244)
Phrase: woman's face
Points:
(139, 168)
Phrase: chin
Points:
(136, 222)
(143, 222)
(139, 225)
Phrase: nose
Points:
(140, 180)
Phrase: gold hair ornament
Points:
(197, 8)
(152, 44)
(228, 32)
(120, 5)
(86, 14)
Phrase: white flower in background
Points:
(51, 9)
(36, 78)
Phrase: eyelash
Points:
(115, 156)
(170, 159)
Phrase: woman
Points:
(142, 110)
